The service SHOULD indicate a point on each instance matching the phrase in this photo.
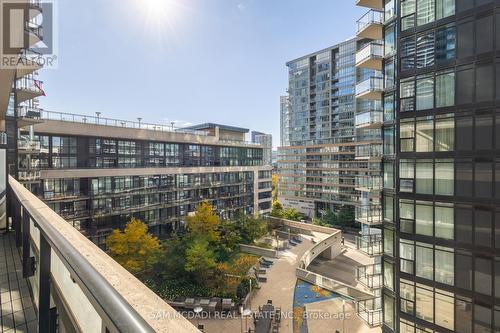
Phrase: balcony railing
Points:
(3, 138)
(370, 276)
(371, 17)
(82, 119)
(369, 183)
(369, 214)
(370, 85)
(27, 83)
(29, 112)
(369, 314)
(369, 51)
(370, 118)
(72, 278)
(370, 244)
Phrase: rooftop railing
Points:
(370, 17)
(72, 278)
(83, 119)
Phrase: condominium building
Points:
(266, 141)
(97, 173)
(441, 164)
(285, 126)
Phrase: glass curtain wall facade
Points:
(441, 194)
(316, 161)
(98, 183)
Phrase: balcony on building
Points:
(374, 4)
(371, 25)
(369, 119)
(370, 56)
(28, 88)
(28, 115)
(68, 283)
(370, 311)
(29, 62)
(370, 214)
(370, 276)
(369, 151)
(34, 32)
(368, 183)
(370, 88)
(371, 245)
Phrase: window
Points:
(445, 134)
(424, 135)
(444, 303)
(482, 319)
(424, 218)
(425, 11)
(484, 132)
(389, 311)
(407, 91)
(464, 133)
(463, 218)
(388, 174)
(444, 268)
(389, 242)
(425, 303)
(406, 135)
(424, 177)
(407, 295)
(483, 179)
(444, 8)
(408, 53)
(389, 40)
(445, 89)
(444, 221)
(482, 275)
(484, 34)
(485, 83)
(465, 39)
(408, 14)
(389, 141)
(444, 179)
(389, 107)
(425, 93)
(407, 216)
(424, 261)
(425, 50)
(389, 208)
(483, 227)
(406, 255)
(464, 178)
(407, 176)
(463, 311)
(388, 275)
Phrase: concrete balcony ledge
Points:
(97, 293)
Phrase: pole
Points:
(343, 316)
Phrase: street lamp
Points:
(98, 114)
(343, 315)
(244, 313)
(172, 123)
(139, 119)
(197, 310)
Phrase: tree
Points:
(277, 209)
(200, 260)
(173, 261)
(134, 248)
(204, 223)
(250, 228)
(292, 214)
(229, 240)
(275, 186)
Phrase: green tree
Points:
(275, 181)
(292, 214)
(204, 223)
(250, 228)
(173, 261)
(277, 209)
(200, 261)
(134, 248)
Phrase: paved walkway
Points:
(279, 288)
(16, 312)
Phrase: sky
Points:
(188, 61)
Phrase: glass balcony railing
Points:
(30, 84)
(370, 244)
(370, 312)
(368, 151)
(370, 276)
(370, 214)
(371, 17)
(29, 112)
(370, 51)
(372, 84)
(91, 288)
(369, 182)
(369, 118)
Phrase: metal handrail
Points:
(111, 305)
(83, 119)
